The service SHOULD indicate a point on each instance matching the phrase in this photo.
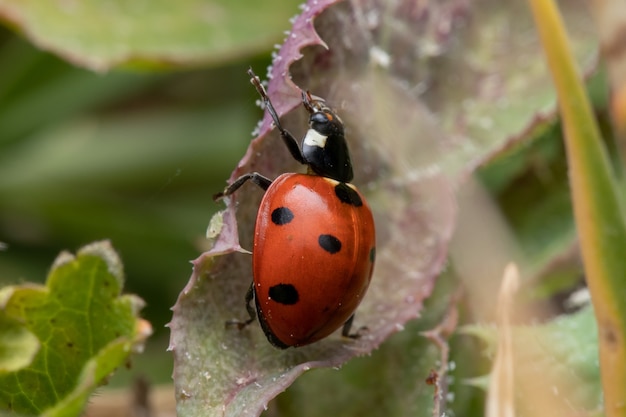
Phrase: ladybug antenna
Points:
(307, 101)
(313, 103)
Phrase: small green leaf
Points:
(84, 327)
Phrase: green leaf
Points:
(101, 34)
(18, 345)
(558, 359)
(486, 83)
(388, 382)
(84, 327)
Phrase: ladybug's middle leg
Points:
(249, 307)
(255, 177)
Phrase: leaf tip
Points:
(104, 250)
(143, 330)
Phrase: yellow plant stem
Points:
(599, 216)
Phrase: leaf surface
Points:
(556, 362)
(101, 34)
(414, 101)
(84, 328)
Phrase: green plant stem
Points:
(599, 216)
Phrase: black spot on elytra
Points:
(284, 294)
(348, 195)
(372, 255)
(329, 243)
(281, 215)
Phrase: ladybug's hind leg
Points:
(255, 177)
(347, 326)
(249, 307)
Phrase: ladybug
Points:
(314, 237)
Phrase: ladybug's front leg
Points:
(288, 139)
(255, 177)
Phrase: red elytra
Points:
(313, 257)
(314, 243)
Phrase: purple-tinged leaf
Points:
(223, 370)
(408, 83)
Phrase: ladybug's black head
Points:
(324, 147)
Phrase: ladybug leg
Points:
(347, 326)
(249, 307)
(288, 139)
(255, 177)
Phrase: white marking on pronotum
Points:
(315, 138)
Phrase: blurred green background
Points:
(127, 156)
